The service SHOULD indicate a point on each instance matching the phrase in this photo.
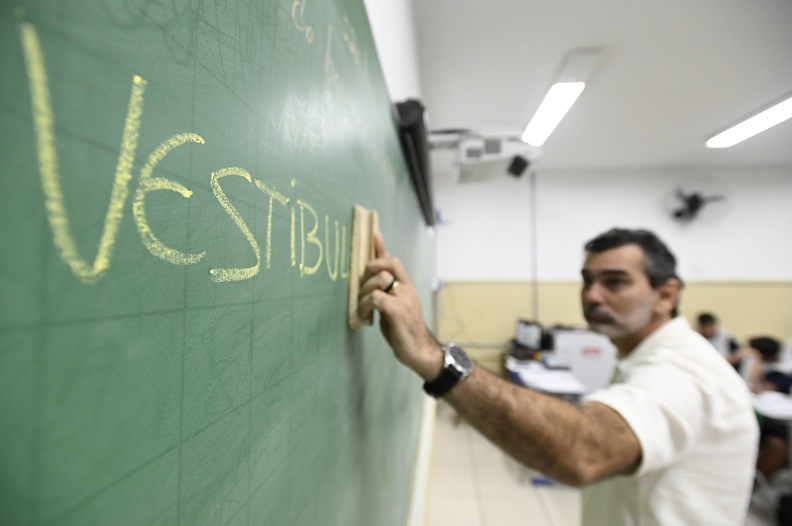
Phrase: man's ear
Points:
(668, 296)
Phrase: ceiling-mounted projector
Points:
(481, 158)
(484, 155)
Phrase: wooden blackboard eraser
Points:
(365, 224)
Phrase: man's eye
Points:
(614, 283)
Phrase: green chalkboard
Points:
(178, 179)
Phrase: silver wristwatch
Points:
(456, 367)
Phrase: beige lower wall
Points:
(482, 315)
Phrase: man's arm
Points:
(575, 445)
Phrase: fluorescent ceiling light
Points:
(556, 104)
(750, 127)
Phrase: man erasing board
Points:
(672, 440)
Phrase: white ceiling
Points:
(674, 73)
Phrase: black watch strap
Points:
(442, 384)
(457, 366)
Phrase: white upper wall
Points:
(749, 239)
(484, 228)
(746, 237)
(394, 35)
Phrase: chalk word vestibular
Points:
(43, 123)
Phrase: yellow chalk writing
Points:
(350, 37)
(293, 237)
(293, 241)
(274, 196)
(344, 252)
(43, 123)
(310, 237)
(150, 184)
(299, 5)
(234, 274)
(331, 75)
(334, 272)
(312, 250)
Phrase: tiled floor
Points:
(472, 483)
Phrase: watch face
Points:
(460, 357)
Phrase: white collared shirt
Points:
(693, 417)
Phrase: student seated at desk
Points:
(764, 376)
(766, 373)
(719, 337)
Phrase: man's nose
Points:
(592, 294)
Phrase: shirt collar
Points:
(674, 326)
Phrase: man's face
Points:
(707, 330)
(618, 300)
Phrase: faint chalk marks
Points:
(175, 20)
(273, 333)
(232, 36)
(217, 366)
(303, 124)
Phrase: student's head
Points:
(707, 324)
(768, 347)
(630, 285)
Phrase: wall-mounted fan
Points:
(699, 198)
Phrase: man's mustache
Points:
(600, 315)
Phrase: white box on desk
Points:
(590, 356)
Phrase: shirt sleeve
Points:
(664, 408)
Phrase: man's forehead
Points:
(626, 259)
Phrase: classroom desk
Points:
(774, 405)
(553, 381)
